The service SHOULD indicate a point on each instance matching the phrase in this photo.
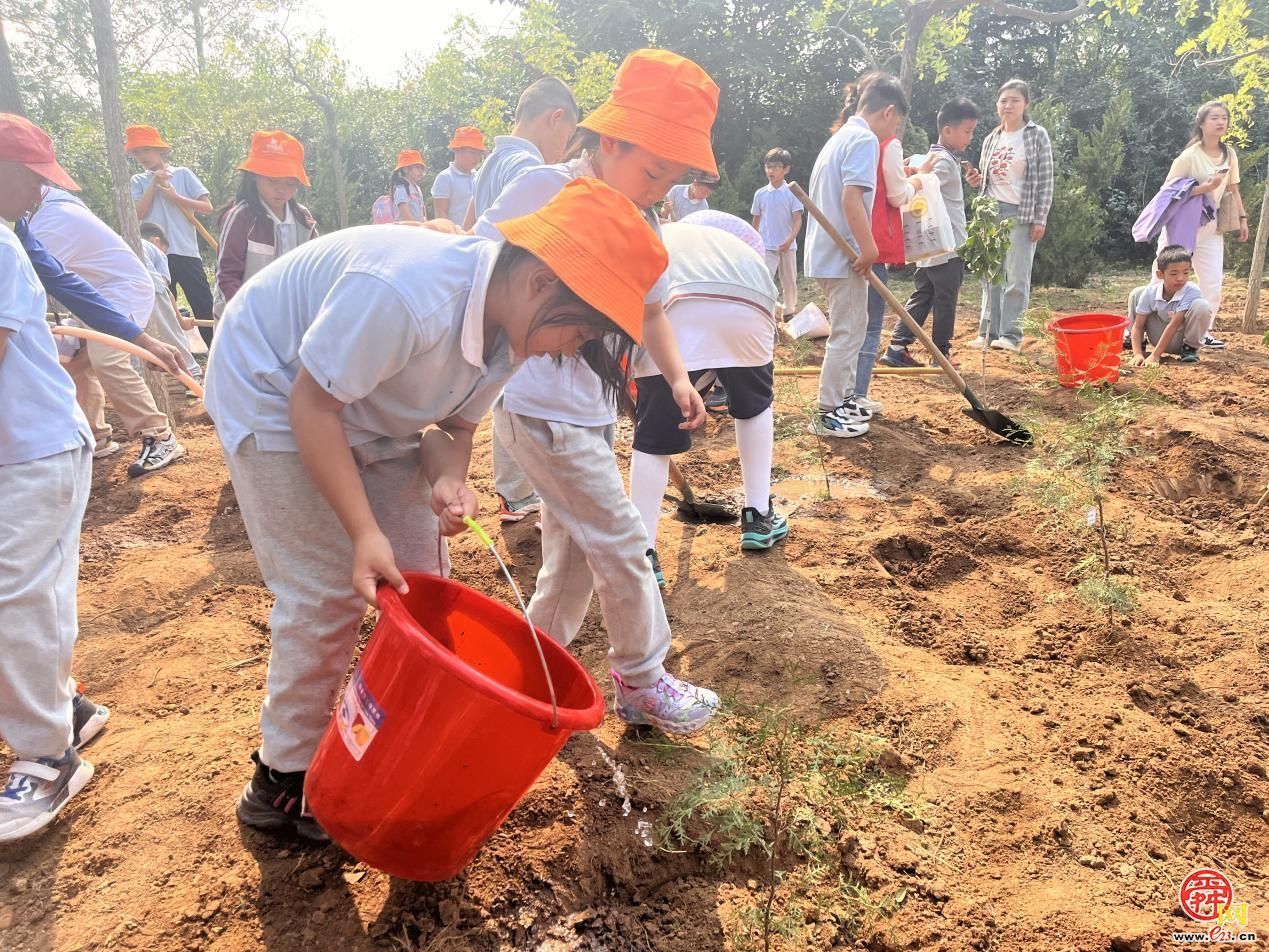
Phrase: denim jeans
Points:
(1004, 304)
(872, 336)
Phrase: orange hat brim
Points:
(151, 144)
(278, 167)
(589, 278)
(660, 135)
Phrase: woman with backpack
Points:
(265, 221)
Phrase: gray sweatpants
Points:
(592, 540)
(43, 502)
(306, 560)
(848, 325)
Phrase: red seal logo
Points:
(1204, 893)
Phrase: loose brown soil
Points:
(1067, 772)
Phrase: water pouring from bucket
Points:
(453, 711)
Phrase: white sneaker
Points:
(110, 449)
(155, 454)
(853, 411)
(830, 424)
(38, 790)
(871, 406)
(1003, 343)
(978, 343)
(673, 705)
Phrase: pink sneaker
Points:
(672, 705)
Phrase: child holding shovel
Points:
(171, 196)
(842, 184)
(333, 361)
(559, 425)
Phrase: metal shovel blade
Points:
(999, 424)
(704, 510)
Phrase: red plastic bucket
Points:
(1088, 347)
(444, 726)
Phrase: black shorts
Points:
(657, 416)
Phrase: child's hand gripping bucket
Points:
(445, 725)
(1088, 347)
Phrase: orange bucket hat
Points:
(276, 155)
(598, 244)
(664, 103)
(468, 137)
(142, 137)
(408, 157)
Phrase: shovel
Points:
(993, 420)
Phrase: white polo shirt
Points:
(457, 186)
(389, 321)
(567, 391)
(86, 245)
(38, 413)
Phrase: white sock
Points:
(648, 476)
(755, 440)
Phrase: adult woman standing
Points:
(1211, 161)
(1017, 170)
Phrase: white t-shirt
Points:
(156, 261)
(181, 239)
(387, 320)
(568, 391)
(458, 186)
(721, 301)
(777, 206)
(1007, 165)
(86, 245)
(849, 157)
(682, 204)
(38, 413)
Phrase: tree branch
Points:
(1036, 16)
(1234, 58)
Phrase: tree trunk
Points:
(336, 152)
(915, 19)
(196, 11)
(112, 120)
(1257, 274)
(10, 94)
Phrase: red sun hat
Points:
(276, 155)
(25, 143)
(468, 137)
(599, 244)
(143, 137)
(664, 103)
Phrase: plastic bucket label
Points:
(359, 716)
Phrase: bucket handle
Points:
(483, 536)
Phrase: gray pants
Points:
(509, 480)
(1004, 304)
(166, 325)
(43, 502)
(1197, 322)
(306, 560)
(592, 540)
(848, 326)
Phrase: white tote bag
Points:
(927, 227)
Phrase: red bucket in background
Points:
(444, 726)
(1088, 347)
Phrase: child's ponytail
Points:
(851, 96)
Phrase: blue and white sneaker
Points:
(671, 705)
(759, 530)
(838, 424)
(38, 790)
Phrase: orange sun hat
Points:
(276, 155)
(408, 157)
(664, 103)
(142, 137)
(468, 137)
(598, 243)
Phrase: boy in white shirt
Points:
(45, 477)
(1170, 311)
(166, 318)
(453, 187)
(777, 214)
(684, 200)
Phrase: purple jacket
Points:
(1176, 213)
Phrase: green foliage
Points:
(784, 791)
(986, 240)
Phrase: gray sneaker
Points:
(155, 454)
(37, 790)
(89, 719)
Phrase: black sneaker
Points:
(761, 530)
(1213, 343)
(716, 399)
(1189, 355)
(274, 801)
(1127, 342)
(651, 555)
(88, 719)
(155, 454)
